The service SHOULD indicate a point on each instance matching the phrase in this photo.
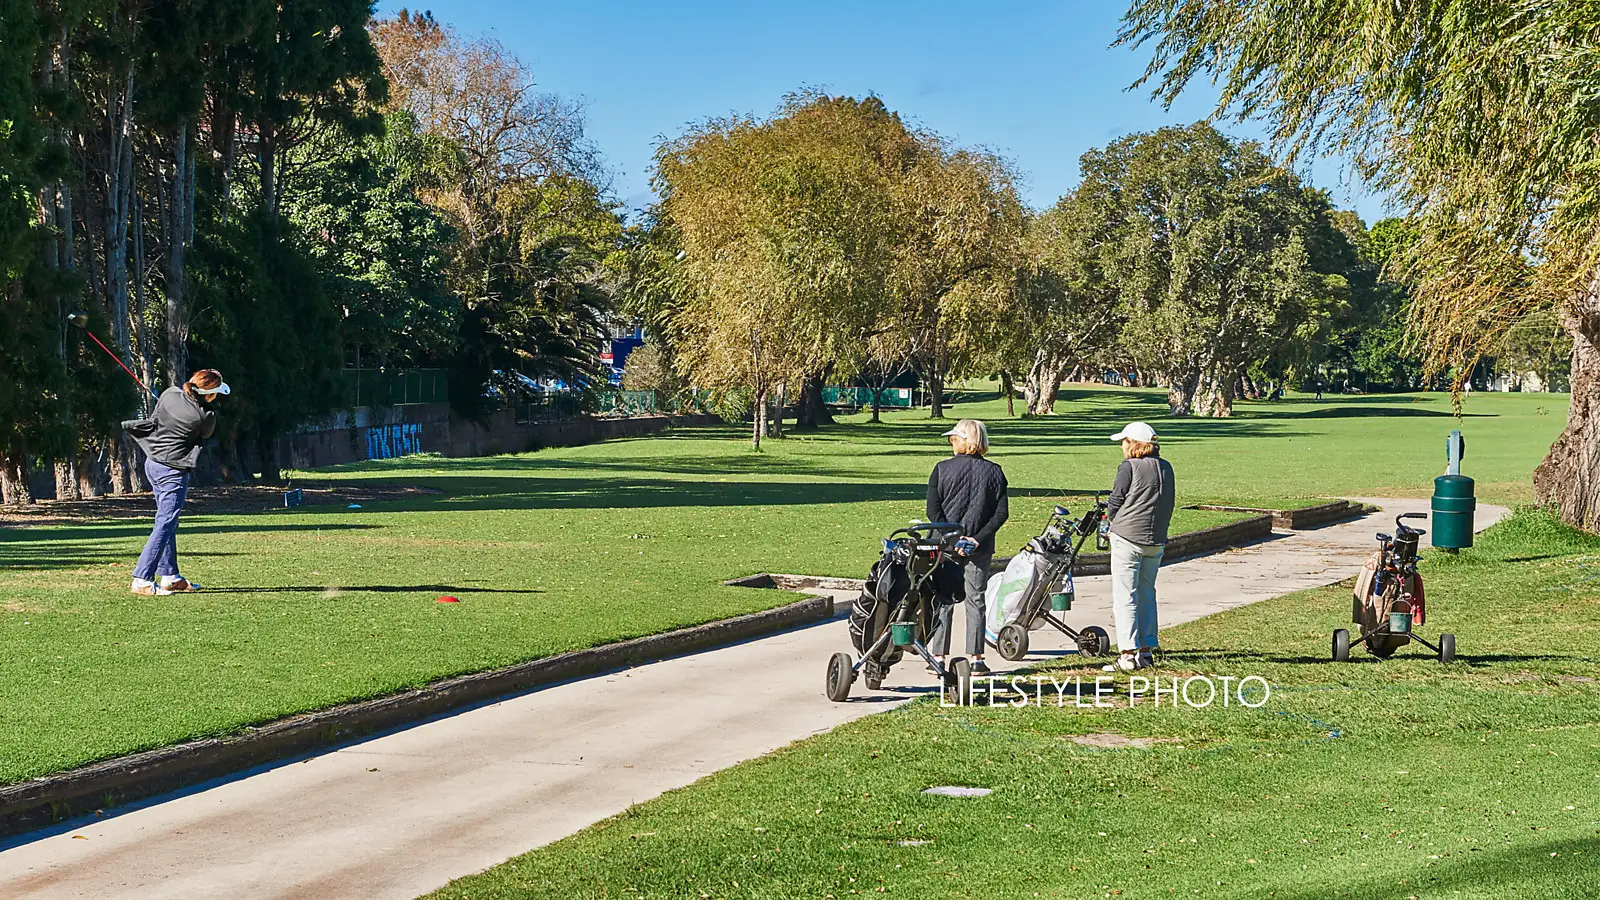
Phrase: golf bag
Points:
(1013, 595)
(1374, 597)
(887, 585)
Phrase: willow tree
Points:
(1480, 116)
(787, 234)
(958, 260)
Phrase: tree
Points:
(1205, 242)
(958, 259)
(787, 228)
(1071, 313)
(1473, 114)
(380, 249)
(515, 177)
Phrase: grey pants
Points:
(974, 578)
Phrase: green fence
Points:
(861, 397)
(382, 387)
(626, 403)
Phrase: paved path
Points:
(404, 813)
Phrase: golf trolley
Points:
(1389, 600)
(1043, 572)
(899, 609)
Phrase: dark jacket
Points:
(1142, 497)
(175, 432)
(969, 490)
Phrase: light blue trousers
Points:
(1133, 593)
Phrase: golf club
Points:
(81, 319)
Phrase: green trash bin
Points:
(1453, 504)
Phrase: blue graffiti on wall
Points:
(389, 441)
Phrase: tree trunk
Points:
(1043, 384)
(180, 212)
(936, 390)
(758, 421)
(1569, 476)
(812, 411)
(1181, 394)
(14, 482)
(66, 480)
(91, 477)
(267, 449)
(1010, 392)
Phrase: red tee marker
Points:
(447, 599)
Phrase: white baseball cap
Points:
(1138, 431)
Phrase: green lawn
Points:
(569, 548)
(1406, 778)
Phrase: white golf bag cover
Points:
(1006, 598)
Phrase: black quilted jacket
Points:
(972, 491)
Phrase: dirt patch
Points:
(1110, 740)
(231, 498)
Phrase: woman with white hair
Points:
(971, 491)
(1139, 512)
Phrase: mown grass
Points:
(568, 548)
(1404, 778)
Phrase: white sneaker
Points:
(1124, 663)
(149, 589)
(177, 584)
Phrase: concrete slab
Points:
(404, 813)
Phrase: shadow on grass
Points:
(1487, 873)
(63, 547)
(373, 589)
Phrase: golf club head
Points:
(79, 318)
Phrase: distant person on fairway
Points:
(971, 491)
(171, 439)
(1139, 512)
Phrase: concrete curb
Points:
(1302, 518)
(1190, 544)
(52, 798)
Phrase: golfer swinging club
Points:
(171, 439)
(971, 491)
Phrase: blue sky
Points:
(1036, 82)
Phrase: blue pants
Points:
(160, 556)
(1133, 593)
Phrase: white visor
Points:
(219, 389)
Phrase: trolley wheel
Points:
(1447, 647)
(1341, 645)
(1094, 641)
(1013, 642)
(958, 681)
(839, 677)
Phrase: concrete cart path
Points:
(404, 813)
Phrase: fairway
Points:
(561, 549)
(1405, 778)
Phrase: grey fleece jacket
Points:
(1142, 498)
(175, 432)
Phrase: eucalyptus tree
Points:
(1205, 243)
(1071, 312)
(1479, 116)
